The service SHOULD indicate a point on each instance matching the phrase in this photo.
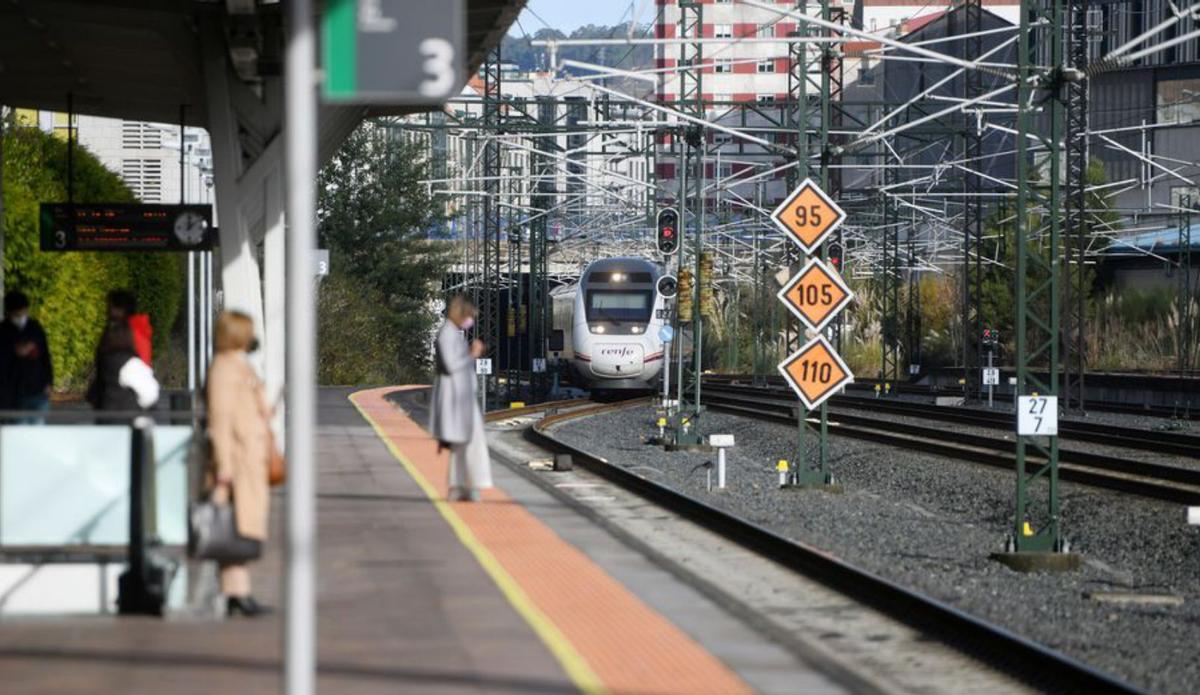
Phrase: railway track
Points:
(1159, 442)
(1131, 476)
(1001, 648)
(866, 385)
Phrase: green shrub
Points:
(67, 290)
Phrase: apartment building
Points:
(147, 156)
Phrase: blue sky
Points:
(567, 15)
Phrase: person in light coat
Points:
(454, 416)
(239, 429)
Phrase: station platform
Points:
(418, 594)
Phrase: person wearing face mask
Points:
(454, 416)
(26, 370)
(239, 429)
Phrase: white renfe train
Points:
(616, 323)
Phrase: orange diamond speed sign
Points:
(815, 372)
(816, 294)
(807, 216)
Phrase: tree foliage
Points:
(373, 215)
(67, 290)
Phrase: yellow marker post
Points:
(782, 467)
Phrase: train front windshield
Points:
(619, 305)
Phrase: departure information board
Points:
(126, 227)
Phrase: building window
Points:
(766, 30)
(723, 65)
(720, 138)
(144, 177)
(722, 99)
(766, 65)
(866, 76)
(1178, 101)
(136, 135)
(725, 171)
(723, 31)
(766, 98)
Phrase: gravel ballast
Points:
(930, 522)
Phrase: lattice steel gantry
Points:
(489, 308)
(1037, 531)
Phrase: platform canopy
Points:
(142, 59)
(219, 63)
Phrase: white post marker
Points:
(539, 365)
(991, 379)
(1037, 415)
(1194, 516)
(483, 369)
(720, 442)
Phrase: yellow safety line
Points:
(568, 657)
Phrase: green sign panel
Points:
(393, 51)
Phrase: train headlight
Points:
(636, 329)
(618, 277)
(597, 329)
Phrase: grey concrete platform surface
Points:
(403, 607)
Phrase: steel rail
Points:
(997, 646)
(1161, 411)
(1154, 481)
(1174, 443)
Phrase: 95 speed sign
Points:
(1037, 415)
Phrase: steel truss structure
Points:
(1036, 523)
(923, 176)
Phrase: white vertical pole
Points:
(191, 321)
(208, 306)
(991, 387)
(666, 372)
(301, 142)
(203, 296)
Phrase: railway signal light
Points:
(667, 286)
(667, 225)
(835, 255)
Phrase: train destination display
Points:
(126, 227)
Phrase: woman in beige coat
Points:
(239, 429)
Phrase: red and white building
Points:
(752, 66)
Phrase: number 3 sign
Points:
(393, 52)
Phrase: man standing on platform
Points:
(26, 372)
(454, 417)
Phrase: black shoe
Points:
(245, 605)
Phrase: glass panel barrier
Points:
(68, 485)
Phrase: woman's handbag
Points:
(276, 465)
(214, 535)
